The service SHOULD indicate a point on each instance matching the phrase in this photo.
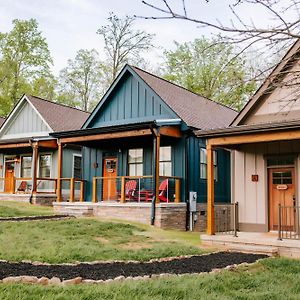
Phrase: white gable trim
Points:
(14, 113)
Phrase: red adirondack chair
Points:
(163, 191)
(130, 189)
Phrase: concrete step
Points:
(252, 248)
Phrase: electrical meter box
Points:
(193, 201)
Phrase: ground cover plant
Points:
(268, 279)
(19, 209)
(87, 239)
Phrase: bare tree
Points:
(280, 31)
(123, 43)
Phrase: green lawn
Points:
(87, 239)
(17, 209)
(269, 279)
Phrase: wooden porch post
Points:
(35, 156)
(123, 194)
(210, 190)
(156, 178)
(59, 172)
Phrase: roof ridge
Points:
(179, 86)
(59, 104)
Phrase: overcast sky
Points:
(70, 25)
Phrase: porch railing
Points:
(135, 189)
(226, 218)
(24, 185)
(288, 222)
(72, 189)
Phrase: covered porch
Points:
(265, 181)
(129, 171)
(26, 169)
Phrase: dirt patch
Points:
(194, 264)
(135, 246)
(102, 240)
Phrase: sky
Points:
(70, 25)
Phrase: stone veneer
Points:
(168, 215)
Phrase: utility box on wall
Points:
(193, 201)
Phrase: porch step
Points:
(252, 248)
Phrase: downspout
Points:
(187, 152)
(31, 193)
(153, 202)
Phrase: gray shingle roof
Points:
(195, 110)
(59, 117)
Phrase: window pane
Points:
(77, 167)
(135, 155)
(26, 166)
(203, 156)
(203, 174)
(215, 157)
(132, 170)
(165, 169)
(45, 166)
(165, 153)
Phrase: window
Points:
(135, 162)
(26, 162)
(165, 162)
(77, 167)
(45, 166)
(282, 177)
(203, 164)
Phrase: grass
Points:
(18, 209)
(269, 279)
(88, 240)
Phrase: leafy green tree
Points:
(24, 57)
(80, 82)
(122, 43)
(210, 68)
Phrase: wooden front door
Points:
(109, 190)
(282, 191)
(9, 186)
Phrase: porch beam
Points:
(210, 191)
(170, 131)
(59, 172)
(107, 136)
(255, 138)
(20, 145)
(35, 156)
(52, 144)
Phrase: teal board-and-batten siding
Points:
(132, 101)
(195, 183)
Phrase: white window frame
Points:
(136, 163)
(166, 161)
(215, 157)
(21, 157)
(51, 163)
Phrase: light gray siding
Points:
(26, 122)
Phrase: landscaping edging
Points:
(118, 271)
(35, 218)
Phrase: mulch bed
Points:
(98, 271)
(34, 218)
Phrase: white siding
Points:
(250, 195)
